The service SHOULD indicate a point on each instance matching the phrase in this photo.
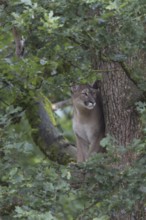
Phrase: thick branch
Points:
(46, 135)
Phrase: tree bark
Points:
(119, 95)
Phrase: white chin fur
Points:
(91, 105)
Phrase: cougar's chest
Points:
(85, 129)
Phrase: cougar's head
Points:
(84, 96)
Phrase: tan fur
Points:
(88, 121)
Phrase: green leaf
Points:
(142, 189)
(26, 2)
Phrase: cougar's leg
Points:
(82, 149)
(95, 146)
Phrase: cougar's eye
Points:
(85, 93)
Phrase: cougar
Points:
(88, 120)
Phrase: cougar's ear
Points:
(74, 88)
(95, 85)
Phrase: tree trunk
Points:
(119, 95)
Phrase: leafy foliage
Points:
(35, 188)
(60, 37)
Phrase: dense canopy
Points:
(46, 47)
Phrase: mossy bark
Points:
(44, 132)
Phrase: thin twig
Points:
(86, 210)
(19, 41)
(61, 104)
(4, 102)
